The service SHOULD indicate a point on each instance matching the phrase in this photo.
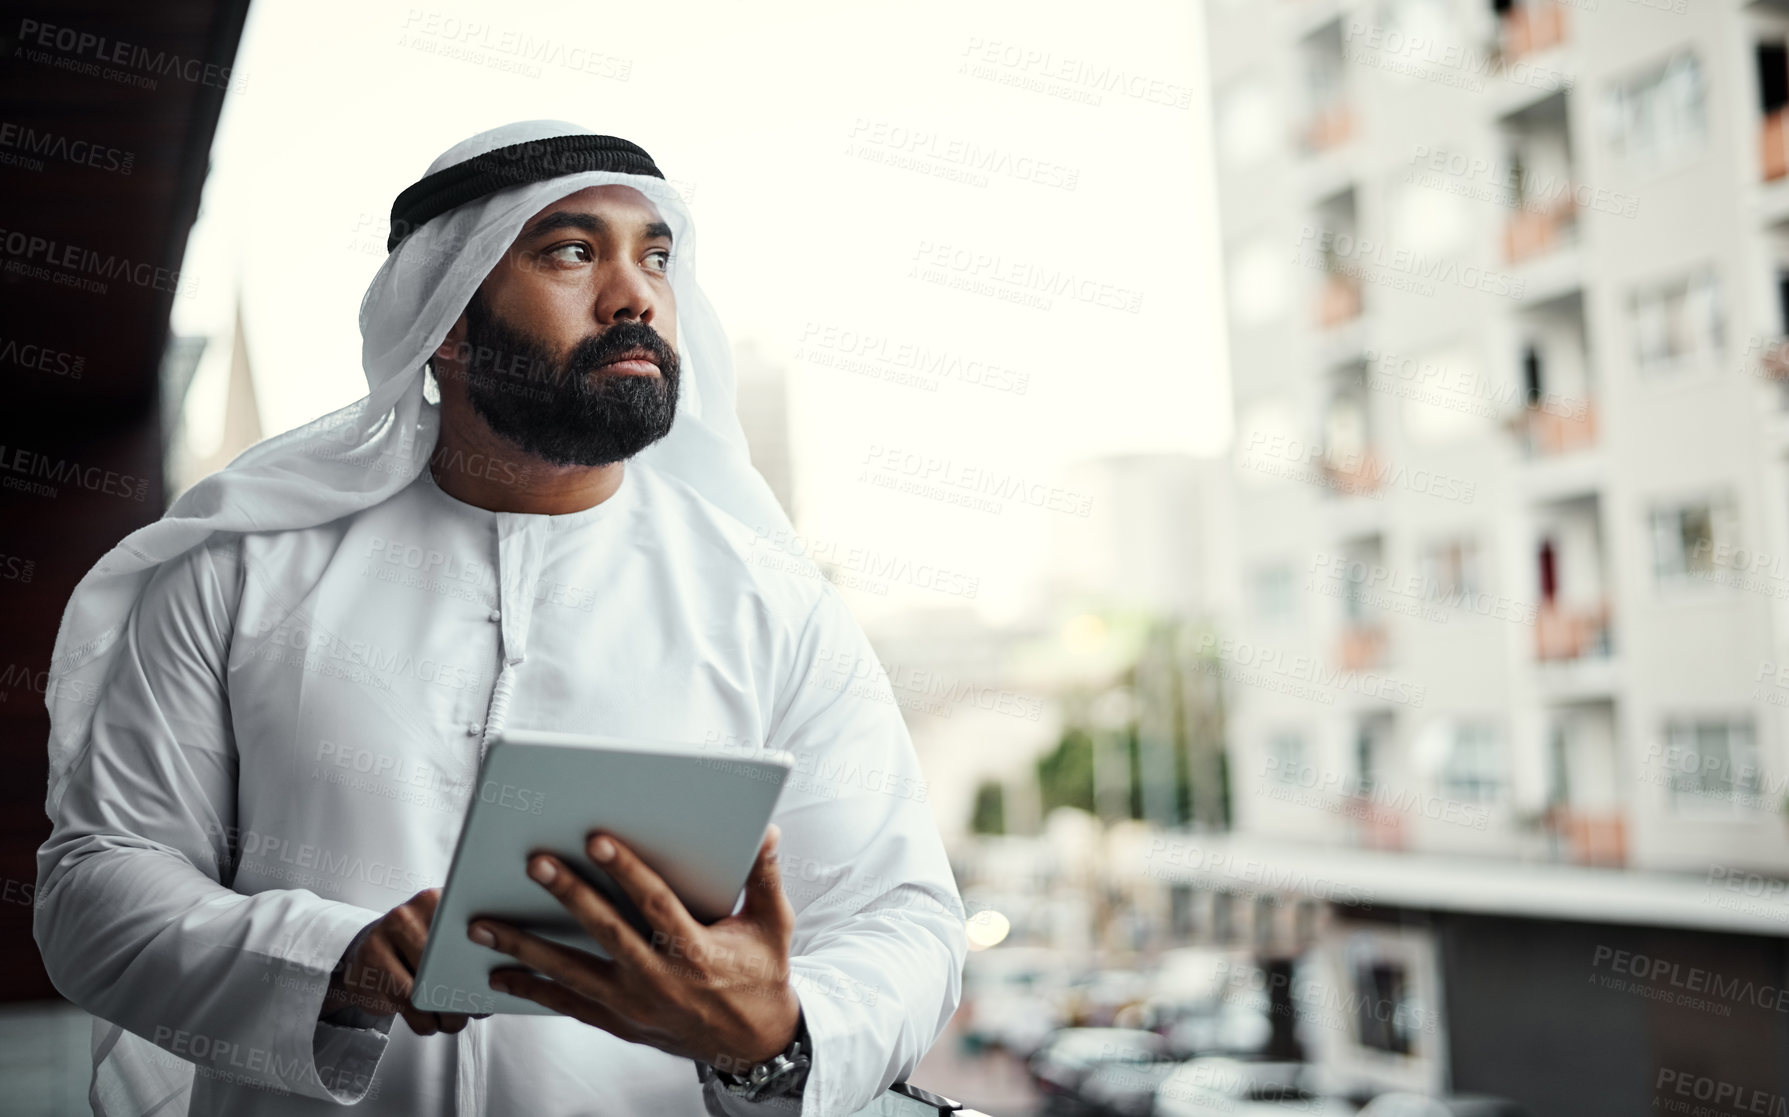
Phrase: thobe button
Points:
(472, 728)
(495, 615)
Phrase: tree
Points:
(989, 816)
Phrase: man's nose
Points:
(625, 293)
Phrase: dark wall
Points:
(1553, 1014)
(106, 121)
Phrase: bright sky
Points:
(770, 118)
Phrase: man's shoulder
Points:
(759, 555)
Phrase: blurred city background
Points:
(1316, 473)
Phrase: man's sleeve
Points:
(877, 957)
(134, 916)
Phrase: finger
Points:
(407, 930)
(663, 911)
(384, 980)
(765, 901)
(563, 1000)
(452, 1022)
(421, 1021)
(595, 914)
(583, 973)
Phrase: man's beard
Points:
(554, 409)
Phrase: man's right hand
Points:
(379, 976)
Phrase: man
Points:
(269, 707)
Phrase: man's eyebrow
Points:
(589, 223)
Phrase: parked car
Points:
(1217, 1086)
(1235, 1024)
(1062, 1065)
(1460, 1105)
(1013, 999)
(1123, 1089)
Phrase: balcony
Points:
(1567, 633)
(1376, 825)
(1338, 301)
(1531, 28)
(1555, 427)
(1773, 145)
(1535, 232)
(1328, 128)
(1353, 474)
(1587, 837)
(1362, 647)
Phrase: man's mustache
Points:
(617, 341)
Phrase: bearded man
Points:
(269, 707)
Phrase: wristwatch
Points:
(781, 1076)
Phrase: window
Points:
(1286, 747)
(1386, 1010)
(1712, 762)
(1687, 538)
(1450, 571)
(1659, 117)
(1275, 598)
(1472, 771)
(1678, 322)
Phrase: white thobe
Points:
(286, 747)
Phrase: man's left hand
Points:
(719, 994)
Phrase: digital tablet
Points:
(695, 815)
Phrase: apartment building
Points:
(1508, 287)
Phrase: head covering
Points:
(448, 231)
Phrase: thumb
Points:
(764, 899)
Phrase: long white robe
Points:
(286, 747)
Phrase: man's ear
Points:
(452, 346)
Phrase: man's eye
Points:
(663, 255)
(582, 253)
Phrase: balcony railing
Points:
(1563, 634)
(1361, 648)
(1338, 301)
(1328, 128)
(1532, 27)
(1534, 232)
(1354, 474)
(1773, 144)
(1376, 825)
(1588, 837)
(1555, 426)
